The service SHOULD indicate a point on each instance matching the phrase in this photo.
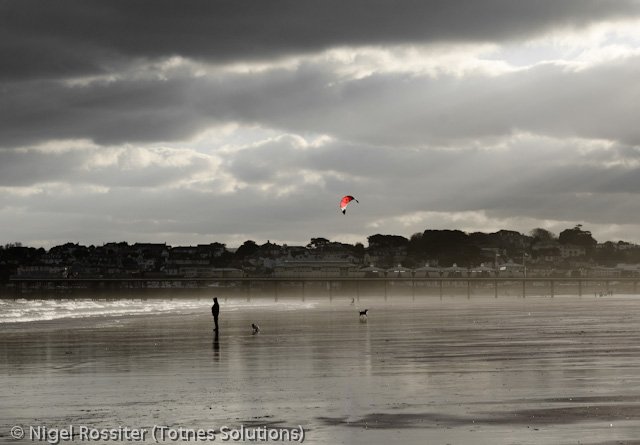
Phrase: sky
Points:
(191, 122)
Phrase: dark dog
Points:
(364, 313)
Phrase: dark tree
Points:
(446, 246)
(387, 241)
(358, 250)
(318, 243)
(248, 248)
(541, 235)
(578, 237)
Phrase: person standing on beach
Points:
(215, 310)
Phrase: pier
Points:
(331, 287)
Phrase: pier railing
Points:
(332, 286)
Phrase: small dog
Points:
(255, 328)
(364, 313)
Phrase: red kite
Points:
(344, 202)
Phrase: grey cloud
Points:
(409, 110)
(401, 143)
(76, 37)
(31, 167)
(557, 180)
(508, 183)
(262, 162)
(20, 169)
(178, 210)
(515, 179)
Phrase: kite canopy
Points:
(344, 202)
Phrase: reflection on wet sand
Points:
(533, 417)
(216, 346)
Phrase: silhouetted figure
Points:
(255, 328)
(363, 315)
(215, 311)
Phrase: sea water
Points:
(30, 310)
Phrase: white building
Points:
(210, 272)
(455, 271)
(482, 271)
(314, 268)
(571, 251)
(427, 272)
(511, 270)
(370, 272)
(399, 272)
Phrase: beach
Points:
(440, 371)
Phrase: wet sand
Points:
(457, 371)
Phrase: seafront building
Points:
(504, 254)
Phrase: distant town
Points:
(433, 253)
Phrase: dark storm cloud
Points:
(384, 109)
(127, 110)
(72, 38)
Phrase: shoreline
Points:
(140, 307)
